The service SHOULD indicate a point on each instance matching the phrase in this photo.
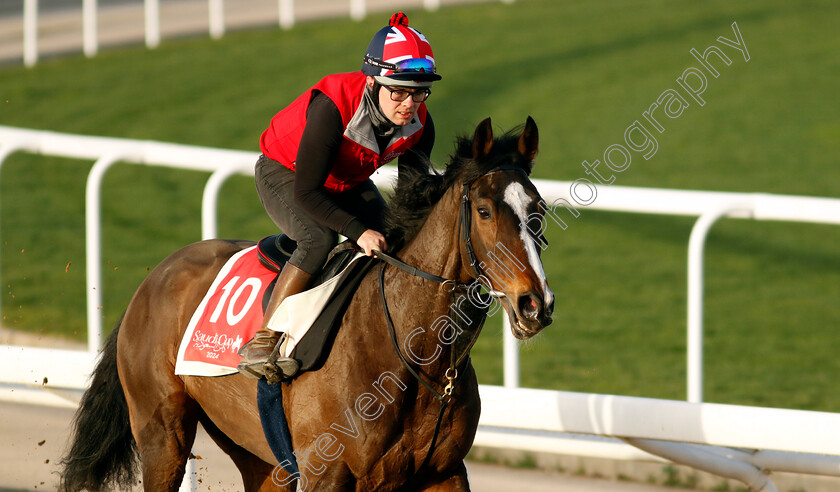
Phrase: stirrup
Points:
(252, 371)
(277, 369)
(256, 354)
(287, 366)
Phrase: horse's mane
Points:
(420, 186)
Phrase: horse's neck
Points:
(424, 305)
(436, 247)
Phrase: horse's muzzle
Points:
(532, 314)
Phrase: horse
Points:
(377, 415)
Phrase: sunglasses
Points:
(409, 65)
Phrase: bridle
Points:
(465, 218)
(457, 361)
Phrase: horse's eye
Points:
(483, 213)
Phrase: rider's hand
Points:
(371, 241)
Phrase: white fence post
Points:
(90, 34)
(358, 9)
(152, 11)
(210, 200)
(217, 18)
(190, 481)
(431, 5)
(286, 13)
(30, 32)
(696, 245)
(706, 459)
(93, 248)
(510, 349)
(5, 151)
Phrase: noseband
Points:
(457, 362)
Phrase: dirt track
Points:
(35, 437)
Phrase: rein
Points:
(456, 361)
(414, 270)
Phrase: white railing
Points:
(738, 442)
(216, 23)
(512, 417)
(107, 152)
(708, 206)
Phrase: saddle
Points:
(274, 251)
(312, 350)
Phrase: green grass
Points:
(585, 70)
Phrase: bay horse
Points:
(378, 415)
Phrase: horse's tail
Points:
(103, 450)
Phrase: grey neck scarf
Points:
(382, 126)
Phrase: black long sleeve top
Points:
(322, 136)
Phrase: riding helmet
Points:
(400, 55)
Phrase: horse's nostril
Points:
(529, 306)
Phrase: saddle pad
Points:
(229, 315)
(313, 349)
(296, 314)
(227, 318)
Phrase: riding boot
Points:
(259, 356)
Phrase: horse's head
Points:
(498, 201)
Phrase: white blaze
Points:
(518, 200)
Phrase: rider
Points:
(319, 153)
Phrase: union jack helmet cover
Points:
(400, 55)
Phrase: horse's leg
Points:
(256, 473)
(456, 483)
(163, 416)
(259, 476)
(336, 478)
(164, 440)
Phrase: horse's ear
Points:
(483, 139)
(529, 142)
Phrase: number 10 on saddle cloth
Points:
(231, 312)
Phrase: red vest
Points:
(354, 162)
